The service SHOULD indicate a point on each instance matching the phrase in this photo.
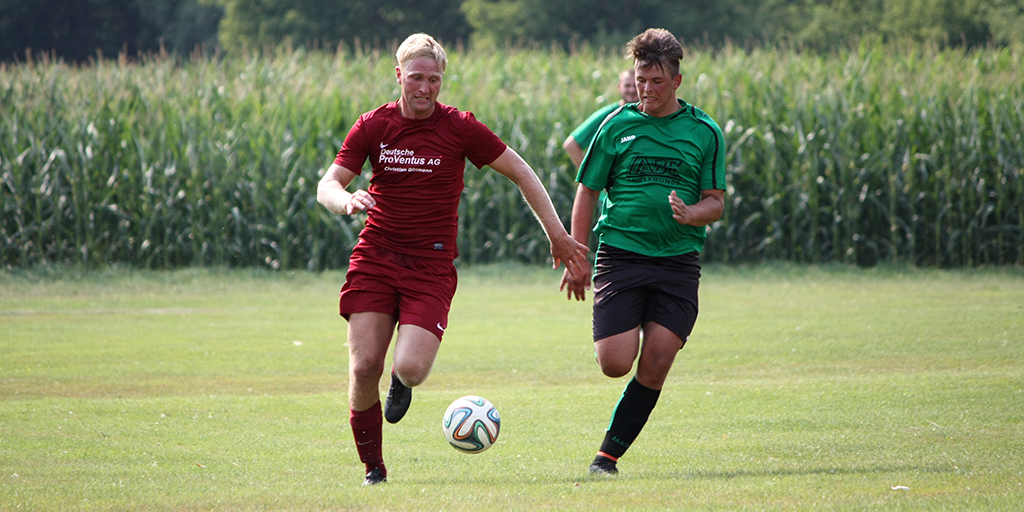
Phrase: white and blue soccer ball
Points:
(471, 424)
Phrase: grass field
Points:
(801, 388)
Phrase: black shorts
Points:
(631, 289)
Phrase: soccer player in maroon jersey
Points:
(401, 271)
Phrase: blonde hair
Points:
(421, 45)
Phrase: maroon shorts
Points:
(415, 291)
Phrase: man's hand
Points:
(359, 201)
(331, 192)
(565, 249)
(707, 210)
(680, 211)
(575, 286)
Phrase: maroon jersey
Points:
(417, 175)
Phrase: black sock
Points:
(629, 418)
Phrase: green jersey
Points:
(639, 160)
(585, 132)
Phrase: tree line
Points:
(80, 30)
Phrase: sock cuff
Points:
(636, 390)
(608, 456)
(364, 420)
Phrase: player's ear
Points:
(398, 73)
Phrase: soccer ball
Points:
(471, 424)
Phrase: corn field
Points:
(880, 152)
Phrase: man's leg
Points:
(369, 335)
(659, 350)
(657, 355)
(415, 351)
(615, 354)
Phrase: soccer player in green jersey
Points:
(661, 163)
(578, 141)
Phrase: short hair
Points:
(656, 47)
(421, 45)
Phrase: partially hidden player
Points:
(578, 141)
(661, 163)
(401, 271)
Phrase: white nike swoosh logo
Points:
(439, 327)
(382, 145)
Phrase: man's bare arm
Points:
(574, 150)
(707, 210)
(563, 247)
(331, 192)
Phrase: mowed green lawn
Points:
(800, 388)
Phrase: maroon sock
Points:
(367, 429)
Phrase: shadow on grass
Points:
(727, 475)
(626, 474)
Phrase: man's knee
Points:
(415, 350)
(616, 369)
(366, 371)
(412, 373)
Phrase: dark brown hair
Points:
(656, 47)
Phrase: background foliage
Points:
(77, 30)
(881, 151)
(259, 23)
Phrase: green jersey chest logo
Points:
(648, 169)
